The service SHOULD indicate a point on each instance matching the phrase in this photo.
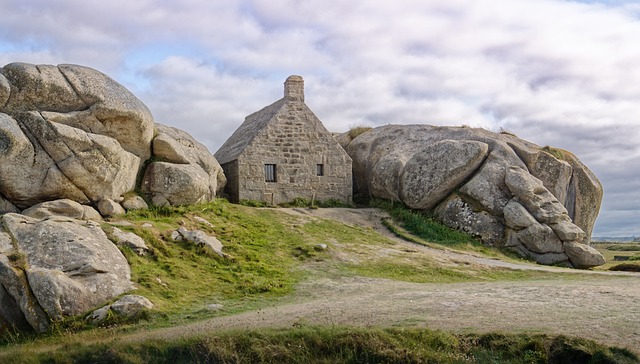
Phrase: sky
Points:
(555, 72)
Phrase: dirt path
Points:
(604, 306)
(372, 218)
(601, 308)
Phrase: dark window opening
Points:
(319, 169)
(270, 173)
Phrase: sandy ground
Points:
(598, 305)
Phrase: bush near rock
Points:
(504, 190)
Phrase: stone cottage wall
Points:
(296, 143)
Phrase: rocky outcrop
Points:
(64, 207)
(129, 306)
(508, 192)
(210, 244)
(54, 268)
(184, 171)
(72, 140)
(130, 240)
(71, 132)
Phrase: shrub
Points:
(557, 153)
(422, 225)
(626, 267)
(624, 248)
(357, 130)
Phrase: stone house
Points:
(283, 152)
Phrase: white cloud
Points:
(563, 73)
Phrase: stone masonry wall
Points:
(296, 142)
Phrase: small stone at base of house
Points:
(320, 247)
(147, 225)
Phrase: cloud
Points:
(560, 73)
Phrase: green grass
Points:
(626, 267)
(341, 345)
(611, 251)
(423, 226)
(430, 232)
(556, 152)
(624, 247)
(270, 252)
(179, 278)
(303, 202)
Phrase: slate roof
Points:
(244, 135)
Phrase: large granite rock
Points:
(184, 171)
(540, 202)
(68, 132)
(55, 268)
(71, 132)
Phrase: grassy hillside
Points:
(270, 252)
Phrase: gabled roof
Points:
(256, 122)
(244, 135)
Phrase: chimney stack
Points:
(294, 88)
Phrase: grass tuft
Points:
(556, 152)
(358, 130)
(626, 267)
(424, 226)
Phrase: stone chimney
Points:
(294, 88)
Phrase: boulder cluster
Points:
(76, 147)
(508, 192)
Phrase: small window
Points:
(319, 169)
(269, 172)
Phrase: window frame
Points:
(320, 169)
(270, 173)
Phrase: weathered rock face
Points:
(502, 189)
(72, 139)
(54, 268)
(68, 132)
(185, 172)
(71, 132)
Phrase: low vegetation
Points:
(617, 253)
(357, 130)
(626, 267)
(556, 152)
(431, 232)
(345, 345)
(423, 226)
(269, 253)
(624, 247)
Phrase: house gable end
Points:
(243, 137)
(284, 152)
